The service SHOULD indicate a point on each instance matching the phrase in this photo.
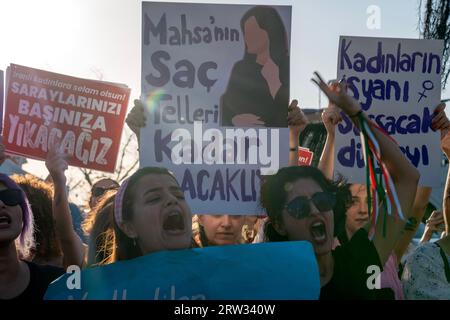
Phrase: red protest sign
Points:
(85, 117)
(304, 156)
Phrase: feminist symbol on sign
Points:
(426, 85)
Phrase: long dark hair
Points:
(274, 195)
(269, 20)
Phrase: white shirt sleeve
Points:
(423, 277)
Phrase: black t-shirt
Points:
(349, 280)
(40, 277)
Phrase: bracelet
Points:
(411, 224)
(293, 149)
(356, 114)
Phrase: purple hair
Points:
(26, 239)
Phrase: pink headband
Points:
(118, 202)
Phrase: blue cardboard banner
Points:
(264, 271)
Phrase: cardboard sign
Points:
(397, 82)
(305, 156)
(197, 75)
(84, 117)
(279, 270)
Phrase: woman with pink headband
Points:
(150, 215)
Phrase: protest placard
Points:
(305, 156)
(84, 117)
(397, 82)
(202, 87)
(278, 270)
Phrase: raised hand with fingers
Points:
(405, 176)
(297, 121)
(56, 165)
(435, 223)
(296, 118)
(337, 94)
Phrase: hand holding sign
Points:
(445, 144)
(440, 120)
(136, 118)
(296, 119)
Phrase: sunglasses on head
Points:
(300, 207)
(11, 197)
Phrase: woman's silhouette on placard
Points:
(258, 90)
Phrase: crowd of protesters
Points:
(147, 213)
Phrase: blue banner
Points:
(264, 271)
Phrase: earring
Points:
(134, 242)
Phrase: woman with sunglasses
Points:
(19, 279)
(356, 216)
(301, 202)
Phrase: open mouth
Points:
(318, 231)
(174, 221)
(5, 220)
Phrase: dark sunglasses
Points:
(11, 197)
(97, 192)
(300, 207)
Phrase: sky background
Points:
(93, 38)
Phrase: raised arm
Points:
(404, 175)
(330, 117)
(71, 244)
(440, 122)
(297, 122)
(415, 216)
